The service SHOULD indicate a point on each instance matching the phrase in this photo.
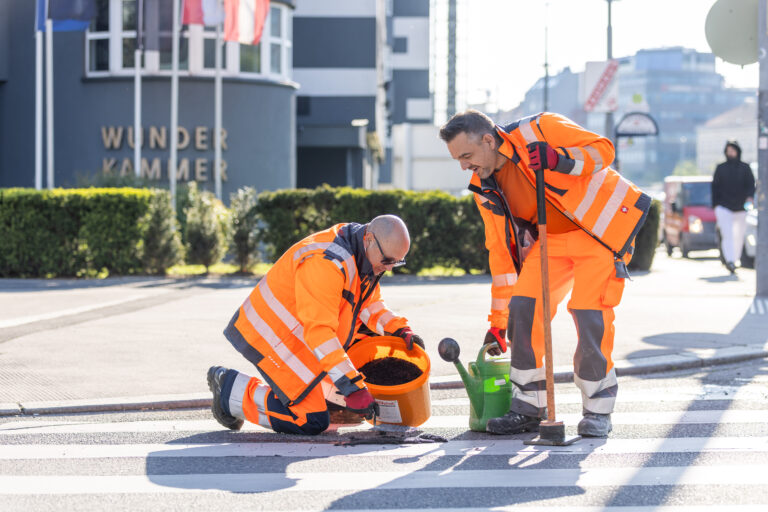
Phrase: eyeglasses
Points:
(385, 260)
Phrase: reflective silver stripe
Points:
(609, 210)
(592, 387)
(310, 247)
(578, 166)
(600, 405)
(327, 347)
(384, 320)
(603, 405)
(526, 130)
(237, 394)
(334, 249)
(537, 399)
(349, 260)
(341, 369)
(595, 155)
(375, 307)
(371, 310)
(594, 186)
(522, 377)
(277, 307)
(260, 399)
(281, 350)
(483, 199)
(578, 160)
(504, 279)
(499, 304)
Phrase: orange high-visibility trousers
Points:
(247, 398)
(579, 264)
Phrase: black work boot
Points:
(512, 423)
(216, 376)
(594, 425)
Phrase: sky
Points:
(501, 42)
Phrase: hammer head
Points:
(449, 350)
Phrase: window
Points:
(273, 56)
(111, 43)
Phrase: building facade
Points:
(313, 103)
(94, 105)
(363, 66)
(739, 124)
(678, 87)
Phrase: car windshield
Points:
(697, 194)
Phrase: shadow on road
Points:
(751, 327)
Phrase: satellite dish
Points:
(731, 30)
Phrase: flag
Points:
(202, 12)
(244, 20)
(67, 15)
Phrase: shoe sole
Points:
(238, 424)
(521, 430)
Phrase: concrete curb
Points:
(698, 358)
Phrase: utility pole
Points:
(761, 194)
(609, 115)
(450, 107)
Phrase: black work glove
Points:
(410, 338)
(541, 156)
(499, 336)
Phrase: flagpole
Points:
(217, 113)
(49, 99)
(137, 65)
(38, 110)
(174, 101)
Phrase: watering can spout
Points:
(449, 350)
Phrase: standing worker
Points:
(593, 215)
(299, 321)
(733, 189)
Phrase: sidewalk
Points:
(145, 343)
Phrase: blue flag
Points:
(67, 15)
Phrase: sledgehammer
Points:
(551, 431)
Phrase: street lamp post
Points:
(609, 115)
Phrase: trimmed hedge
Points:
(445, 230)
(76, 232)
(87, 232)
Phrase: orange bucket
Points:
(404, 404)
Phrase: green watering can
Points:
(486, 382)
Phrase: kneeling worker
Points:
(299, 321)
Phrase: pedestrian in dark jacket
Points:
(733, 188)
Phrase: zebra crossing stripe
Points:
(706, 392)
(456, 421)
(741, 475)
(759, 306)
(506, 447)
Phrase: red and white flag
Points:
(244, 20)
(202, 12)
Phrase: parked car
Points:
(750, 240)
(689, 220)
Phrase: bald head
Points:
(392, 235)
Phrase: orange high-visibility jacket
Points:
(591, 194)
(302, 316)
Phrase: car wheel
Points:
(747, 261)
